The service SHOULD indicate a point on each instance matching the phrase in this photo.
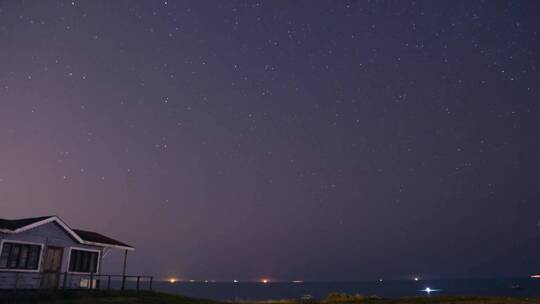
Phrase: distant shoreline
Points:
(273, 281)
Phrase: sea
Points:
(522, 287)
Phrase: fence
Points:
(15, 280)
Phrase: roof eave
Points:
(50, 220)
(109, 245)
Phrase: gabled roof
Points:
(81, 236)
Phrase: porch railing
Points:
(15, 280)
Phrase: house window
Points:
(20, 256)
(83, 261)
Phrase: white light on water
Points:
(429, 290)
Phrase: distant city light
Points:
(535, 276)
(298, 281)
(416, 278)
(264, 281)
(172, 280)
(235, 281)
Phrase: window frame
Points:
(84, 249)
(40, 256)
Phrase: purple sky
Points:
(312, 140)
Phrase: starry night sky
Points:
(314, 140)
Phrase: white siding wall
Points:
(50, 234)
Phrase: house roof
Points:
(16, 224)
(81, 236)
(97, 238)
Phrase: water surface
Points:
(387, 289)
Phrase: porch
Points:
(16, 280)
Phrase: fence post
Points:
(124, 270)
(65, 280)
(138, 281)
(40, 278)
(109, 283)
(16, 282)
(151, 281)
(91, 284)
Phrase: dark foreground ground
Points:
(162, 298)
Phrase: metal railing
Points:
(16, 280)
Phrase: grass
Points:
(97, 297)
(117, 297)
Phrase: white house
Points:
(44, 252)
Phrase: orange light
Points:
(172, 280)
(264, 281)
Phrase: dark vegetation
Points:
(132, 297)
(98, 297)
